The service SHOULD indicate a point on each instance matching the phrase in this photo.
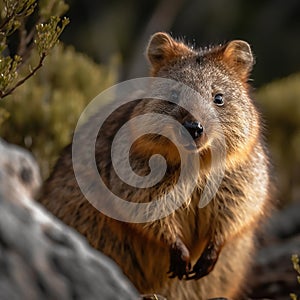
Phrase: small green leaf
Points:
(48, 34)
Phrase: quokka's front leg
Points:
(180, 264)
(207, 261)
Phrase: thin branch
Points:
(161, 20)
(7, 20)
(30, 35)
(22, 43)
(27, 52)
(40, 64)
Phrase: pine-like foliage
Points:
(26, 27)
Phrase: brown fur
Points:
(227, 224)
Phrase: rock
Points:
(273, 276)
(40, 257)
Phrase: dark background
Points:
(105, 28)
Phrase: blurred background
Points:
(105, 43)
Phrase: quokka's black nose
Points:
(194, 128)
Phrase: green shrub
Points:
(44, 111)
(280, 101)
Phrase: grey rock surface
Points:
(40, 257)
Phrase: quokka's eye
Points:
(218, 100)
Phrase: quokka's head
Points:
(214, 106)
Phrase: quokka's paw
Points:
(180, 265)
(205, 263)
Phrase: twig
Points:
(161, 20)
(30, 35)
(33, 71)
(23, 43)
(7, 20)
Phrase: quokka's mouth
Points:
(197, 145)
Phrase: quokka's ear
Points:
(238, 55)
(162, 48)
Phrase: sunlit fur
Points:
(233, 215)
